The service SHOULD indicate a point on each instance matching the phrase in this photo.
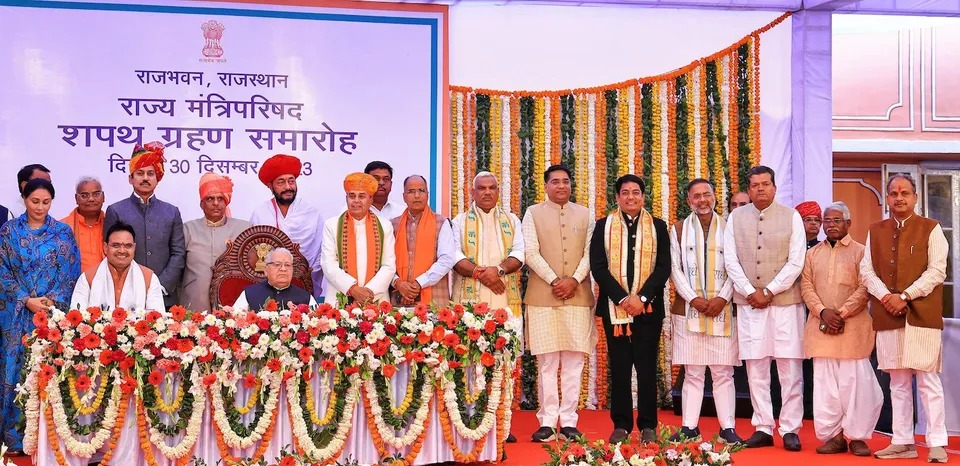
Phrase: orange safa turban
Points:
(277, 166)
(360, 182)
(148, 155)
(809, 209)
(212, 184)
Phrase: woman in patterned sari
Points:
(39, 265)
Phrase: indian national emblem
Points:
(212, 32)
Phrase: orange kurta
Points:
(89, 238)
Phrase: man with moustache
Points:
(299, 219)
(358, 254)
(738, 199)
(630, 260)
(157, 225)
(425, 249)
(86, 221)
(490, 252)
(207, 238)
(763, 250)
(839, 337)
(118, 281)
(904, 267)
(704, 328)
(382, 206)
(559, 323)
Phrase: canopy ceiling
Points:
(891, 7)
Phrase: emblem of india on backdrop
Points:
(212, 33)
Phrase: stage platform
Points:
(596, 424)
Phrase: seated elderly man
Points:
(278, 286)
(117, 281)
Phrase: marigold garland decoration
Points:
(603, 132)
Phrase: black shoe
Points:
(569, 433)
(648, 435)
(544, 434)
(791, 442)
(618, 436)
(686, 433)
(511, 439)
(759, 439)
(730, 436)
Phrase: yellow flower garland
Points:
(407, 398)
(97, 402)
(655, 157)
(252, 401)
(582, 169)
(331, 403)
(638, 154)
(704, 150)
(539, 147)
(624, 152)
(496, 135)
(691, 129)
(455, 161)
(172, 407)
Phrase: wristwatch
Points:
(904, 297)
(500, 271)
(767, 293)
(643, 299)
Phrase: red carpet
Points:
(597, 425)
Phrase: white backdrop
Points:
(529, 47)
(372, 80)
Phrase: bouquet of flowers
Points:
(633, 452)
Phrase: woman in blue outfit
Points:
(39, 266)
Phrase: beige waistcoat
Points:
(763, 247)
(562, 232)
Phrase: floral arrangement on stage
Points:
(85, 366)
(633, 452)
(700, 121)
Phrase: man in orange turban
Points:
(812, 219)
(157, 225)
(300, 220)
(361, 268)
(207, 238)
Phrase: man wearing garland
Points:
(630, 260)
(704, 328)
(490, 252)
(763, 250)
(839, 337)
(358, 255)
(904, 267)
(425, 249)
(560, 327)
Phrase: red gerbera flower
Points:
(178, 313)
(389, 370)
(473, 334)
(209, 379)
(74, 317)
(270, 306)
(95, 313)
(490, 326)
(119, 315)
(142, 327)
(40, 319)
(153, 316)
(250, 381)
(83, 383)
(451, 339)
(327, 365)
(155, 378)
(487, 359)
(438, 334)
(500, 315)
(274, 364)
(305, 354)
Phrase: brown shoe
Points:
(833, 446)
(859, 448)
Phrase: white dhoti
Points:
(846, 398)
(904, 353)
(696, 351)
(564, 408)
(767, 334)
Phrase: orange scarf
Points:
(424, 254)
(347, 245)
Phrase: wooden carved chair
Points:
(244, 261)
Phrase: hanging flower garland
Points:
(515, 153)
(539, 147)
(301, 431)
(458, 199)
(755, 87)
(638, 148)
(705, 169)
(556, 142)
(496, 139)
(657, 151)
(600, 154)
(733, 152)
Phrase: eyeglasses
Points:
(833, 221)
(280, 265)
(121, 245)
(812, 220)
(95, 194)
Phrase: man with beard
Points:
(704, 328)
(839, 337)
(157, 225)
(382, 207)
(301, 221)
(207, 238)
(358, 253)
(118, 281)
(904, 267)
(763, 248)
(86, 221)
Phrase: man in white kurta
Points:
(763, 248)
(560, 326)
(490, 250)
(299, 219)
(117, 281)
(704, 329)
(360, 267)
(903, 267)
